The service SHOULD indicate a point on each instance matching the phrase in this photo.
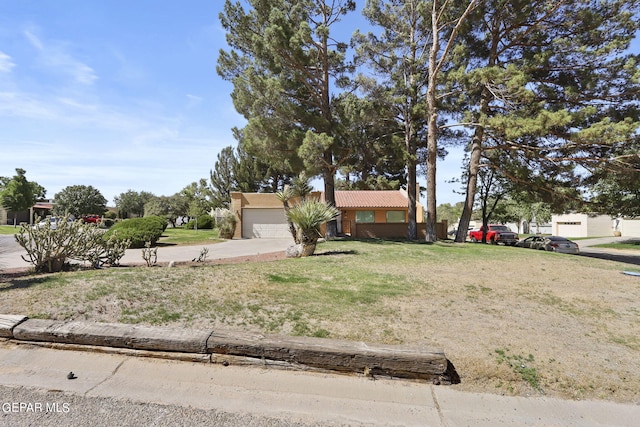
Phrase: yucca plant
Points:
(308, 216)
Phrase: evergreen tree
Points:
(550, 86)
(376, 157)
(398, 59)
(284, 65)
(221, 178)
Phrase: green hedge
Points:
(139, 230)
(205, 222)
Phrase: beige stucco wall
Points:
(582, 225)
(630, 227)
(241, 201)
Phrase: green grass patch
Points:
(521, 365)
(9, 229)
(183, 236)
(627, 244)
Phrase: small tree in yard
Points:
(306, 217)
(49, 249)
(79, 200)
(226, 224)
(17, 194)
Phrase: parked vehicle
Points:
(558, 244)
(496, 233)
(52, 221)
(532, 242)
(93, 219)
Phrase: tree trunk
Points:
(472, 180)
(412, 185)
(432, 129)
(329, 193)
(476, 151)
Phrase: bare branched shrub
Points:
(150, 255)
(51, 245)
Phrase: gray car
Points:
(557, 244)
(530, 242)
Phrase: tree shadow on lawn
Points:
(328, 253)
(16, 280)
(391, 241)
(624, 258)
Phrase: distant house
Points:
(587, 225)
(362, 214)
(40, 209)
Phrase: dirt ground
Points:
(564, 331)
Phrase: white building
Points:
(587, 225)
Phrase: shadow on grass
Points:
(624, 258)
(328, 253)
(16, 281)
(393, 241)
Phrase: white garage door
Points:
(264, 223)
(569, 229)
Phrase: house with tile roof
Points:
(361, 209)
(40, 209)
(363, 213)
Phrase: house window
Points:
(396, 216)
(365, 216)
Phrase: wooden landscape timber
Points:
(8, 322)
(231, 347)
(113, 335)
(338, 355)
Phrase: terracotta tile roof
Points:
(42, 205)
(371, 199)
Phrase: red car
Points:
(93, 219)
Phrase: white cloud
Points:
(54, 57)
(33, 39)
(193, 100)
(6, 64)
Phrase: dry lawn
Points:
(512, 321)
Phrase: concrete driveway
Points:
(227, 249)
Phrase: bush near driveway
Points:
(138, 231)
(50, 248)
(205, 222)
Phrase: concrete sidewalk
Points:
(293, 398)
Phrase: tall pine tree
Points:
(284, 65)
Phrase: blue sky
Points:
(120, 95)
(114, 94)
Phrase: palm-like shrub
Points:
(307, 217)
(226, 224)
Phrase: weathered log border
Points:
(237, 347)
